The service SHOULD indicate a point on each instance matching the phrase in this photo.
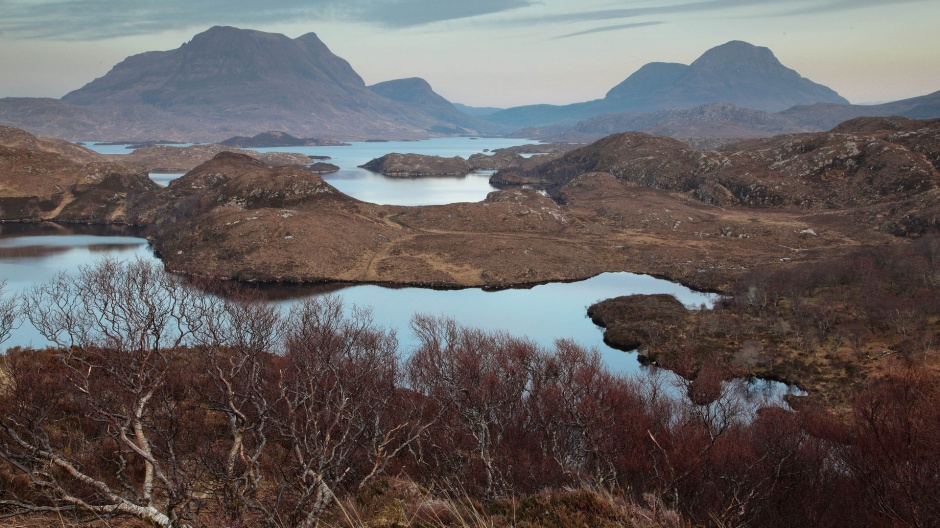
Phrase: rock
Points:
(813, 171)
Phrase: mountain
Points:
(723, 121)
(226, 82)
(746, 75)
(413, 90)
(825, 116)
(646, 82)
(736, 72)
(417, 93)
(477, 111)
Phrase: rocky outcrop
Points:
(322, 168)
(37, 185)
(417, 166)
(838, 169)
(512, 157)
(166, 158)
(16, 138)
(657, 162)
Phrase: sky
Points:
(497, 53)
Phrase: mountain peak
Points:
(738, 53)
(411, 90)
(648, 80)
(734, 72)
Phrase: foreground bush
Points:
(165, 405)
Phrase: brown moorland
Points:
(772, 209)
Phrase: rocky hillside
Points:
(713, 120)
(235, 217)
(824, 116)
(16, 138)
(39, 185)
(862, 163)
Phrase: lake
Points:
(31, 254)
(375, 188)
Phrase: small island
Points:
(396, 165)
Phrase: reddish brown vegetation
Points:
(827, 326)
(178, 408)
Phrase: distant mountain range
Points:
(230, 82)
(721, 122)
(227, 82)
(736, 72)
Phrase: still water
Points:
(33, 254)
(375, 188)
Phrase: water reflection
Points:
(544, 313)
(31, 254)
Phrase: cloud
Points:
(844, 5)
(609, 28)
(405, 13)
(103, 19)
(772, 8)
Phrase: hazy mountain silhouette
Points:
(825, 116)
(736, 72)
(417, 93)
(228, 81)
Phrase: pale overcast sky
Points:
(494, 52)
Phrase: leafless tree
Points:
(119, 326)
(238, 333)
(578, 406)
(10, 312)
(339, 412)
(480, 380)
